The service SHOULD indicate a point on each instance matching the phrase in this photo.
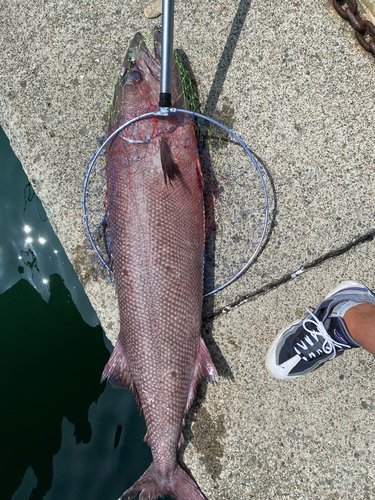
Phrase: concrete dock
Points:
(293, 81)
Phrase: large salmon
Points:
(156, 216)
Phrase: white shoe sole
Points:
(345, 284)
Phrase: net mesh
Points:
(235, 199)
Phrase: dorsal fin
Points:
(170, 168)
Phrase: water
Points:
(64, 436)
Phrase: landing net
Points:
(235, 195)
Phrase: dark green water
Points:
(63, 435)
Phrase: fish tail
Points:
(184, 487)
(151, 487)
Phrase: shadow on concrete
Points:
(226, 57)
(51, 363)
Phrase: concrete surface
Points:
(298, 88)
(368, 8)
(312, 438)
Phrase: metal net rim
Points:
(163, 112)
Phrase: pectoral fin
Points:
(170, 168)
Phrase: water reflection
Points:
(51, 363)
(53, 366)
(29, 248)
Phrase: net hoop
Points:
(164, 112)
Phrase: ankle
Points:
(360, 322)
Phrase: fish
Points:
(156, 218)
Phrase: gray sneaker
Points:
(318, 338)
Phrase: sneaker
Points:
(309, 343)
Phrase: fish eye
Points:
(133, 76)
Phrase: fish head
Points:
(137, 87)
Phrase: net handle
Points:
(165, 100)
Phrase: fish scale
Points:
(156, 214)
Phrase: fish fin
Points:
(117, 372)
(170, 168)
(204, 367)
(152, 485)
(146, 440)
(198, 170)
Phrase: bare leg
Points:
(360, 322)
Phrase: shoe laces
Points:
(329, 345)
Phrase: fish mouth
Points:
(143, 62)
(138, 46)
